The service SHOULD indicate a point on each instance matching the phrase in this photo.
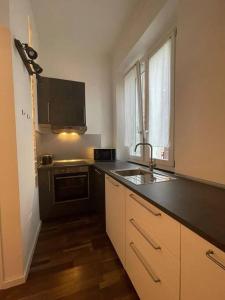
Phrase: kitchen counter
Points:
(198, 206)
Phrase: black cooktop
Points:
(72, 162)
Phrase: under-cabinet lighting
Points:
(69, 133)
(68, 136)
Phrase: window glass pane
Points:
(133, 134)
(143, 90)
(159, 101)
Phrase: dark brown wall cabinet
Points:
(61, 103)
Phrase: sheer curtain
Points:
(159, 96)
(132, 109)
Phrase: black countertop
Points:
(198, 206)
(67, 163)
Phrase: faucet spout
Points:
(151, 163)
(139, 144)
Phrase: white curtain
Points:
(132, 116)
(159, 96)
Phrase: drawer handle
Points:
(211, 255)
(70, 177)
(144, 263)
(140, 230)
(157, 214)
(113, 183)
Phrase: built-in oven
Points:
(71, 184)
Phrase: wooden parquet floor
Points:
(74, 260)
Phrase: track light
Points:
(36, 67)
(26, 52)
(31, 53)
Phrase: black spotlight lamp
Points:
(36, 67)
(31, 53)
(28, 54)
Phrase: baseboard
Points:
(20, 280)
(12, 282)
(29, 261)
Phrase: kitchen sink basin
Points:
(132, 172)
(141, 176)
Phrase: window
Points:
(133, 121)
(159, 101)
(149, 106)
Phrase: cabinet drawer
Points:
(162, 228)
(164, 265)
(146, 283)
(202, 268)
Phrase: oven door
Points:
(71, 187)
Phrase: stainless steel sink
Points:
(141, 176)
(131, 172)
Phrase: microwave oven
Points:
(104, 154)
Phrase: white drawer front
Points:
(162, 227)
(202, 272)
(164, 264)
(143, 277)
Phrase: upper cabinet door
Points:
(67, 104)
(43, 98)
(61, 102)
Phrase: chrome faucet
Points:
(151, 163)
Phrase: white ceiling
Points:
(88, 24)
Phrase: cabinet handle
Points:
(48, 112)
(98, 172)
(113, 183)
(140, 230)
(211, 255)
(49, 181)
(144, 263)
(70, 177)
(157, 214)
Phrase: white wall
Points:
(199, 82)
(28, 191)
(200, 90)
(142, 16)
(11, 256)
(68, 146)
(4, 13)
(18, 194)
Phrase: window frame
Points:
(144, 118)
(136, 158)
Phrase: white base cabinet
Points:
(152, 250)
(115, 215)
(202, 273)
(164, 260)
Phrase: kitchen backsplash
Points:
(67, 146)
